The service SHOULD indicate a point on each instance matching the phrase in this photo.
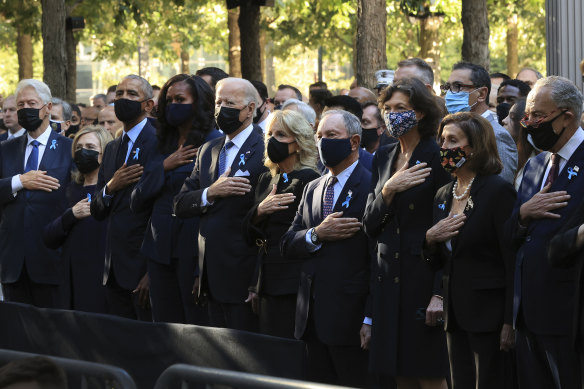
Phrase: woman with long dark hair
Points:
(186, 107)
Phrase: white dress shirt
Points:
(43, 139)
(565, 153)
(16, 134)
(264, 122)
(230, 155)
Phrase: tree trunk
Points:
(270, 70)
(371, 20)
(54, 46)
(25, 52)
(71, 41)
(234, 43)
(512, 46)
(184, 61)
(430, 42)
(249, 27)
(475, 41)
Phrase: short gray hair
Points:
(40, 87)
(146, 87)
(305, 109)
(251, 94)
(352, 123)
(67, 110)
(564, 93)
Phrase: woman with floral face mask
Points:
(402, 329)
(468, 242)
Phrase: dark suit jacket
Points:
(544, 294)
(226, 261)
(478, 274)
(25, 216)
(125, 229)
(335, 279)
(4, 136)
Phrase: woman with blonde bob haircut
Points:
(291, 156)
(81, 237)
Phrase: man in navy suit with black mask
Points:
(551, 190)
(35, 169)
(125, 274)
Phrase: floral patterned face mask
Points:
(452, 159)
(399, 123)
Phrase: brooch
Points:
(285, 177)
(53, 144)
(241, 160)
(469, 204)
(442, 206)
(89, 197)
(136, 153)
(348, 199)
(573, 172)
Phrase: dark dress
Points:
(276, 279)
(402, 283)
(82, 245)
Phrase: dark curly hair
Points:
(204, 114)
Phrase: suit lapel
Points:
(137, 154)
(391, 155)
(51, 152)
(474, 197)
(215, 159)
(19, 154)
(317, 201)
(573, 168)
(533, 177)
(350, 191)
(246, 151)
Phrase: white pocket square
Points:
(240, 173)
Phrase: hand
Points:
(124, 177)
(254, 300)
(434, 311)
(540, 205)
(404, 179)
(226, 186)
(39, 180)
(81, 209)
(507, 338)
(445, 229)
(143, 290)
(182, 156)
(365, 334)
(275, 202)
(335, 227)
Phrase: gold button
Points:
(396, 280)
(396, 255)
(412, 207)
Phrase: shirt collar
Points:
(17, 133)
(43, 138)
(570, 147)
(136, 130)
(240, 138)
(343, 176)
(487, 114)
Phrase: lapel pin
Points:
(348, 199)
(418, 162)
(469, 203)
(89, 197)
(241, 160)
(285, 177)
(573, 172)
(136, 153)
(442, 206)
(576, 169)
(53, 144)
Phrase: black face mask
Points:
(503, 111)
(368, 137)
(127, 110)
(72, 130)
(86, 160)
(277, 151)
(227, 119)
(334, 151)
(29, 118)
(277, 107)
(259, 113)
(177, 114)
(544, 137)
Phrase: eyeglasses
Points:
(535, 123)
(454, 87)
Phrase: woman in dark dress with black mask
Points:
(291, 156)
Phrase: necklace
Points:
(463, 195)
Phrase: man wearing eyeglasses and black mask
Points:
(549, 194)
(467, 90)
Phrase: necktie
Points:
(32, 162)
(122, 151)
(553, 173)
(329, 197)
(223, 157)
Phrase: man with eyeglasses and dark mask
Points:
(125, 276)
(468, 89)
(262, 111)
(221, 192)
(551, 191)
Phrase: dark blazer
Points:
(25, 216)
(478, 274)
(125, 229)
(226, 261)
(335, 279)
(167, 236)
(545, 294)
(4, 136)
(83, 248)
(274, 274)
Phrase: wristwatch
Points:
(314, 237)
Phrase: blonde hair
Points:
(294, 124)
(104, 137)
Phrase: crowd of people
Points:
(407, 237)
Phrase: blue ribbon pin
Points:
(442, 206)
(285, 177)
(89, 197)
(572, 172)
(53, 144)
(347, 200)
(241, 160)
(418, 162)
(136, 153)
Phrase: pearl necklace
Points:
(463, 195)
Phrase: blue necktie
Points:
(223, 157)
(32, 162)
(329, 197)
